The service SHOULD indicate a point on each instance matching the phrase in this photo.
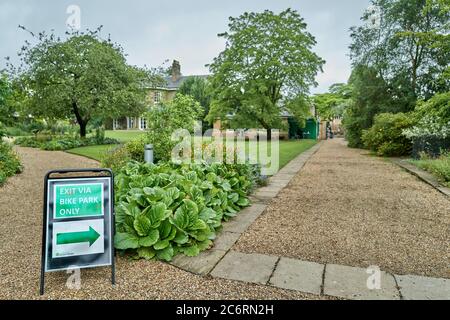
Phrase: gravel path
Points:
(20, 238)
(346, 207)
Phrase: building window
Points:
(143, 123)
(130, 123)
(157, 97)
(116, 124)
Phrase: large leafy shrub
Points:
(9, 162)
(117, 158)
(437, 108)
(386, 137)
(165, 119)
(162, 210)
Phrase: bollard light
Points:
(148, 153)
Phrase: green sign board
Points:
(78, 200)
(78, 224)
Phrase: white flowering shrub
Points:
(429, 126)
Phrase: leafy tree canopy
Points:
(200, 89)
(164, 119)
(409, 46)
(267, 64)
(333, 103)
(81, 77)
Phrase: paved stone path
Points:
(295, 274)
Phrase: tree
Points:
(333, 103)
(164, 119)
(199, 89)
(369, 96)
(409, 48)
(82, 77)
(267, 63)
(5, 92)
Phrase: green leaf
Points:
(226, 186)
(198, 225)
(206, 185)
(181, 238)
(165, 254)
(164, 229)
(243, 202)
(191, 251)
(156, 214)
(149, 240)
(161, 244)
(123, 241)
(234, 197)
(146, 253)
(142, 225)
(203, 245)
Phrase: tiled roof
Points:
(174, 85)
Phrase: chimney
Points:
(176, 70)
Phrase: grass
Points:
(123, 135)
(93, 152)
(439, 167)
(288, 149)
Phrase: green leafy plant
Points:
(386, 137)
(9, 162)
(166, 209)
(63, 142)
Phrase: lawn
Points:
(288, 149)
(93, 152)
(123, 135)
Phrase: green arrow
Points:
(76, 237)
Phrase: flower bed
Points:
(54, 143)
(163, 210)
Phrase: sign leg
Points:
(42, 283)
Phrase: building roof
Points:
(175, 85)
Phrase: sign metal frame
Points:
(110, 232)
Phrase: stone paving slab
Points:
(266, 195)
(225, 240)
(201, 264)
(423, 288)
(351, 283)
(244, 219)
(298, 275)
(254, 268)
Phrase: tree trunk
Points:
(81, 122)
(83, 125)
(269, 134)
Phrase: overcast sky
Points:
(186, 30)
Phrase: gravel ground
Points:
(20, 238)
(346, 207)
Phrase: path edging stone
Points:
(422, 175)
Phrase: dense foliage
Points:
(401, 58)
(386, 136)
(200, 89)
(81, 78)
(439, 167)
(162, 210)
(163, 120)
(62, 142)
(267, 62)
(333, 103)
(9, 162)
(118, 157)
